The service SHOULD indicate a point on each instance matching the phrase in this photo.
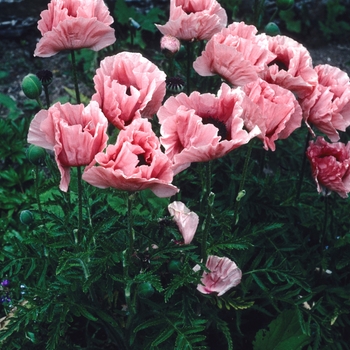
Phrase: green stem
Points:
(75, 77)
(36, 184)
(47, 96)
(241, 184)
(80, 204)
(302, 171)
(209, 197)
(189, 66)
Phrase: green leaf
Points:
(283, 333)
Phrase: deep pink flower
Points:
(328, 107)
(224, 274)
(128, 86)
(194, 19)
(330, 163)
(292, 67)
(279, 112)
(76, 134)
(186, 220)
(236, 53)
(74, 24)
(199, 128)
(134, 163)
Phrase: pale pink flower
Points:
(134, 163)
(330, 164)
(328, 107)
(224, 274)
(236, 53)
(185, 219)
(202, 127)
(75, 133)
(292, 67)
(74, 24)
(128, 86)
(279, 112)
(194, 19)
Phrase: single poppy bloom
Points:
(128, 86)
(328, 107)
(134, 163)
(222, 276)
(75, 133)
(185, 219)
(236, 53)
(330, 164)
(202, 127)
(278, 115)
(194, 19)
(292, 68)
(74, 24)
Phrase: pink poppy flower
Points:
(330, 164)
(279, 112)
(74, 132)
(328, 107)
(169, 45)
(186, 220)
(224, 274)
(128, 86)
(292, 67)
(74, 24)
(236, 53)
(199, 128)
(194, 19)
(134, 163)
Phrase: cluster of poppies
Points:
(271, 87)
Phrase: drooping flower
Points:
(185, 219)
(236, 53)
(328, 107)
(74, 132)
(128, 86)
(134, 163)
(194, 19)
(224, 274)
(74, 24)
(330, 164)
(202, 127)
(279, 112)
(292, 68)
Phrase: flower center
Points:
(222, 131)
(280, 64)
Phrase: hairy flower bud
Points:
(26, 217)
(32, 86)
(35, 154)
(272, 29)
(145, 290)
(284, 4)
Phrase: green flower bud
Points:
(284, 4)
(26, 217)
(31, 86)
(35, 154)
(272, 29)
(174, 266)
(145, 290)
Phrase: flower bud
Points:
(145, 290)
(174, 266)
(26, 217)
(284, 4)
(272, 29)
(31, 86)
(35, 154)
(169, 45)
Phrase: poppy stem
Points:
(241, 191)
(209, 197)
(189, 62)
(80, 204)
(75, 77)
(302, 170)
